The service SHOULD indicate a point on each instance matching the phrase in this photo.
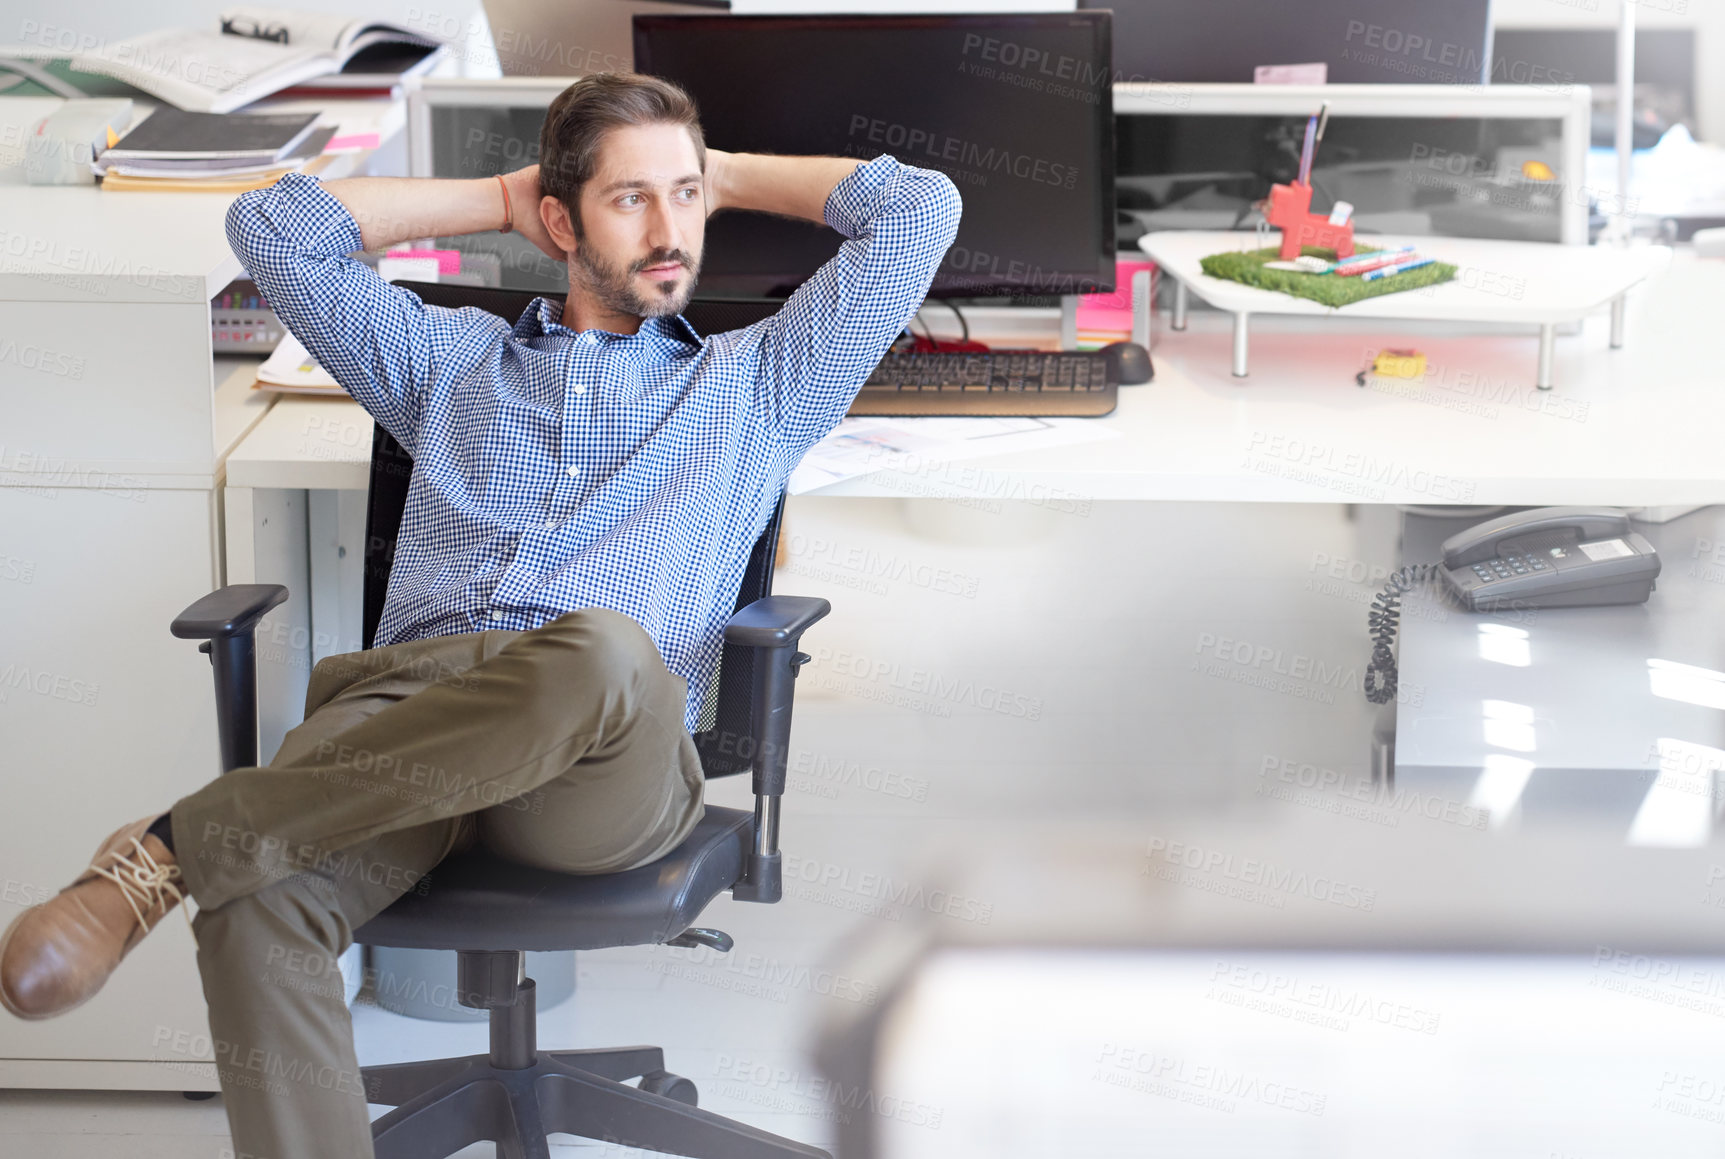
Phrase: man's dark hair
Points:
(579, 119)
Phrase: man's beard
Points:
(614, 287)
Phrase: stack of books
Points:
(212, 152)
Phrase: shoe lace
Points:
(143, 881)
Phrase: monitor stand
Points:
(1141, 308)
(1069, 322)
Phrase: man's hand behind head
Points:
(530, 207)
(713, 179)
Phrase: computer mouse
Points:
(1130, 363)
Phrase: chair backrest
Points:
(731, 732)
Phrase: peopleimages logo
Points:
(923, 682)
(1237, 983)
(1210, 1085)
(802, 1090)
(884, 887)
(1413, 46)
(1346, 470)
(1051, 65)
(1165, 860)
(911, 143)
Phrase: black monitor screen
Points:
(1360, 41)
(1017, 110)
(1555, 57)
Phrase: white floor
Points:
(984, 665)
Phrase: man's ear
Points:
(555, 215)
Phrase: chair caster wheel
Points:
(671, 1086)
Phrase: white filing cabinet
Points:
(115, 421)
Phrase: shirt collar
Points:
(542, 314)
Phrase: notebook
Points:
(169, 135)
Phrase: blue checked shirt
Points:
(555, 470)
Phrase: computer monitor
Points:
(573, 37)
(1664, 73)
(1016, 109)
(1361, 41)
(1443, 160)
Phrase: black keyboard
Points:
(1000, 383)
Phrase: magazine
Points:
(252, 53)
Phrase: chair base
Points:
(516, 1096)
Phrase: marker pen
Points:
(1390, 271)
(1360, 263)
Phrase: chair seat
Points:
(479, 901)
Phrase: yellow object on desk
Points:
(1399, 364)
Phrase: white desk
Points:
(1608, 713)
(1634, 427)
(1496, 282)
(1639, 426)
(1643, 425)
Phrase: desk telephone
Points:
(1550, 557)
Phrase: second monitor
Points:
(1358, 42)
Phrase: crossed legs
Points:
(561, 747)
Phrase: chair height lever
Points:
(699, 936)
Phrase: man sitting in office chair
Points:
(587, 487)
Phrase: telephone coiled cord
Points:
(1383, 620)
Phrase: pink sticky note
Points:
(1112, 311)
(1291, 74)
(448, 261)
(352, 141)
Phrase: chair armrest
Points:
(775, 621)
(773, 626)
(226, 619)
(227, 611)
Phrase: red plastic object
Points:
(1290, 211)
(946, 346)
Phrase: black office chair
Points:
(490, 910)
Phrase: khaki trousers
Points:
(561, 747)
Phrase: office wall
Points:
(1707, 17)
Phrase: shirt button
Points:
(579, 389)
(550, 525)
(496, 613)
(574, 470)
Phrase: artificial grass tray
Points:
(1326, 289)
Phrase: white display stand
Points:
(1497, 282)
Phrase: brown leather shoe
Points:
(55, 956)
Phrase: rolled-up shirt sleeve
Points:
(818, 350)
(381, 342)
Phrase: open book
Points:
(254, 52)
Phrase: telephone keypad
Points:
(1496, 569)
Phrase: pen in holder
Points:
(1290, 206)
